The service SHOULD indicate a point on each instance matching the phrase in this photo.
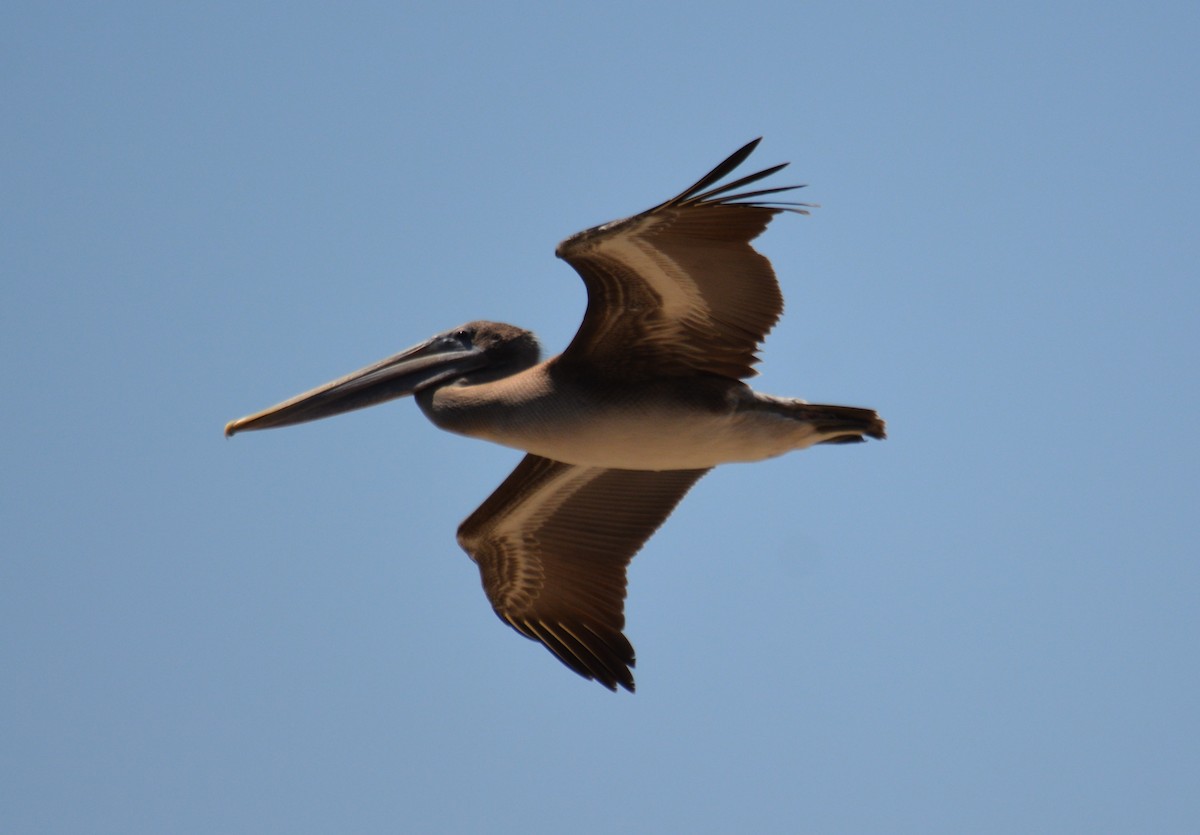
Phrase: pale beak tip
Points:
(231, 428)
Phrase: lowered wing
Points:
(552, 544)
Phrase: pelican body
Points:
(647, 398)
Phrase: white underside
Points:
(661, 439)
(696, 444)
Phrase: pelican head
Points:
(477, 352)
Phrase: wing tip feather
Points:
(696, 196)
(593, 658)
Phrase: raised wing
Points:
(677, 289)
(552, 544)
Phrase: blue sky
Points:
(987, 623)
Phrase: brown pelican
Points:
(646, 399)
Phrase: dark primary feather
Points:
(552, 544)
(727, 166)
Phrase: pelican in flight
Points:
(646, 399)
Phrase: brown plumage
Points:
(677, 289)
(552, 544)
(645, 400)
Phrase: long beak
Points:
(435, 361)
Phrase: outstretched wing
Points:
(677, 289)
(552, 544)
